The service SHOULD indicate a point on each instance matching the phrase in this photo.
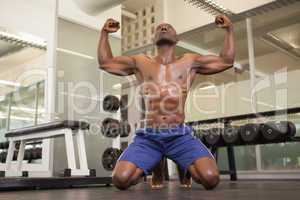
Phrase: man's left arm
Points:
(211, 64)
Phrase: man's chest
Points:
(164, 74)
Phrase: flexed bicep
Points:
(120, 65)
(210, 64)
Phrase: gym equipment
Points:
(231, 135)
(111, 103)
(4, 145)
(66, 129)
(199, 134)
(274, 131)
(125, 129)
(250, 133)
(213, 137)
(292, 130)
(3, 156)
(36, 153)
(277, 131)
(113, 128)
(110, 128)
(110, 158)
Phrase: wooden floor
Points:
(243, 190)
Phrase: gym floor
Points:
(241, 190)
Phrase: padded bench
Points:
(67, 129)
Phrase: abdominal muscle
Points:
(164, 107)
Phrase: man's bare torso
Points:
(164, 89)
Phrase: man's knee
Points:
(209, 179)
(121, 180)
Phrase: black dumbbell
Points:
(292, 130)
(5, 145)
(27, 154)
(125, 129)
(250, 133)
(213, 137)
(278, 131)
(36, 153)
(274, 131)
(111, 128)
(111, 103)
(3, 157)
(231, 135)
(110, 158)
(199, 133)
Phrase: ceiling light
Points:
(9, 83)
(75, 53)
(23, 39)
(117, 86)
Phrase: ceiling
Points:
(134, 5)
(283, 22)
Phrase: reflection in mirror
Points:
(22, 75)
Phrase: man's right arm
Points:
(119, 65)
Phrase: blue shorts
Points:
(177, 144)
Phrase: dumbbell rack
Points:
(227, 122)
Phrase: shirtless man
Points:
(164, 82)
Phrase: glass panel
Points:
(211, 96)
(22, 68)
(3, 117)
(277, 44)
(245, 158)
(244, 155)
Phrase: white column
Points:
(251, 55)
(50, 85)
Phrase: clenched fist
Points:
(111, 26)
(223, 21)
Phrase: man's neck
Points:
(166, 54)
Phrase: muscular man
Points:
(164, 82)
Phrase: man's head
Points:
(165, 35)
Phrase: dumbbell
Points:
(125, 129)
(4, 145)
(292, 129)
(111, 103)
(199, 133)
(231, 135)
(277, 131)
(27, 154)
(213, 137)
(250, 133)
(36, 153)
(110, 158)
(3, 157)
(112, 128)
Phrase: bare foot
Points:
(156, 186)
(185, 178)
(187, 183)
(158, 175)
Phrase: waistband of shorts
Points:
(182, 128)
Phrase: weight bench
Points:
(67, 129)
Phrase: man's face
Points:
(165, 35)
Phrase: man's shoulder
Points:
(141, 57)
(191, 55)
